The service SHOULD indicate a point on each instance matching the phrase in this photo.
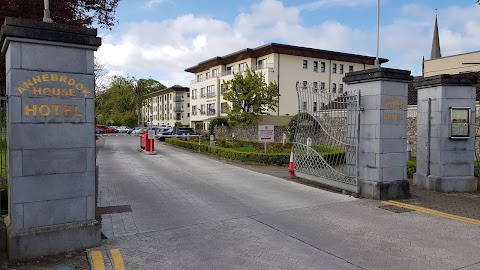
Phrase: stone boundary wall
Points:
(247, 133)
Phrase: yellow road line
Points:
(117, 259)
(433, 212)
(97, 260)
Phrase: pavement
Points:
(184, 210)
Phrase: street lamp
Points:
(46, 12)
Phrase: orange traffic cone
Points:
(291, 166)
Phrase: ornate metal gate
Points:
(326, 138)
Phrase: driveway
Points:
(189, 211)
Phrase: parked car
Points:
(99, 130)
(107, 129)
(124, 129)
(183, 131)
(162, 132)
(137, 130)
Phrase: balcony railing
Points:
(209, 95)
(178, 109)
(179, 99)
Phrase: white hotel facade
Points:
(284, 64)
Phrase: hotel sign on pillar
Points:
(54, 97)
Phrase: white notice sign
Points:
(151, 134)
(266, 133)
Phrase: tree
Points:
(100, 75)
(250, 96)
(119, 101)
(72, 12)
(141, 88)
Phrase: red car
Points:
(106, 128)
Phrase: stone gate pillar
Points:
(446, 134)
(383, 131)
(51, 137)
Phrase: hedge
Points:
(276, 158)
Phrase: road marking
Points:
(97, 260)
(117, 259)
(433, 212)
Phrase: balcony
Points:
(178, 109)
(179, 99)
(211, 94)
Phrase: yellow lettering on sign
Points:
(53, 77)
(27, 84)
(393, 116)
(37, 79)
(44, 110)
(75, 110)
(37, 91)
(63, 78)
(32, 110)
(55, 109)
(21, 89)
(67, 110)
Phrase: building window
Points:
(334, 69)
(188, 114)
(228, 71)
(341, 68)
(215, 73)
(314, 106)
(322, 86)
(194, 110)
(315, 86)
(334, 87)
(323, 106)
(221, 89)
(211, 109)
(223, 107)
(194, 94)
(350, 68)
(340, 88)
(202, 109)
(242, 67)
(305, 64)
(202, 92)
(262, 64)
(315, 66)
(305, 84)
(210, 91)
(179, 116)
(199, 77)
(207, 75)
(322, 66)
(304, 106)
(188, 105)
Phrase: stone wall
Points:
(247, 133)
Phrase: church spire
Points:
(436, 43)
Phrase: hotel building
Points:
(284, 64)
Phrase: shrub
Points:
(276, 158)
(411, 167)
(217, 121)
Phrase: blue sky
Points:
(160, 38)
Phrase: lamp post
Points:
(377, 61)
(46, 12)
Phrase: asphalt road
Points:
(192, 212)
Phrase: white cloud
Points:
(151, 3)
(168, 47)
(333, 3)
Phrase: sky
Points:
(159, 39)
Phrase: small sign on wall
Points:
(460, 123)
(266, 133)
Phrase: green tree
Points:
(250, 96)
(119, 102)
(141, 88)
